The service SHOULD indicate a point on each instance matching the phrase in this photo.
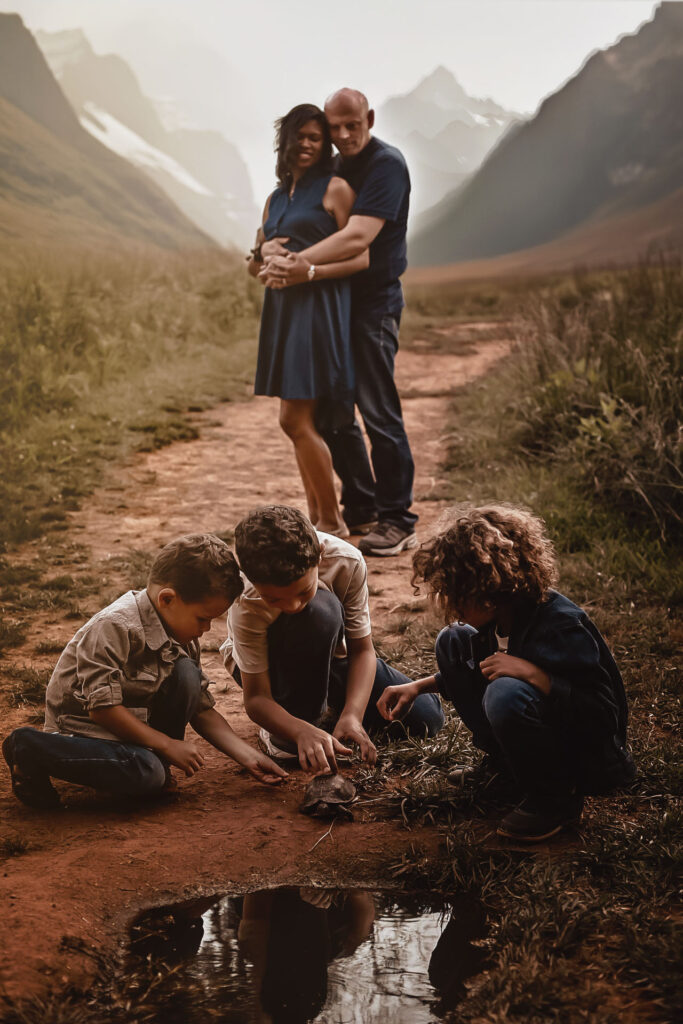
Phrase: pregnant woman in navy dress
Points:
(304, 352)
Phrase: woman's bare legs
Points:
(314, 461)
(311, 496)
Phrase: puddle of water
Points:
(297, 955)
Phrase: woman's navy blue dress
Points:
(304, 344)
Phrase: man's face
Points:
(350, 126)
(295, 596)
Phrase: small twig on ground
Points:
(323, 836)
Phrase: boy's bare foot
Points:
(339, 530)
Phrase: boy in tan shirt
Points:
(300, 643)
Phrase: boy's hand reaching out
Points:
(317, 750)
(500, 664)
(349, 728)
(396, 701)
(262, 768)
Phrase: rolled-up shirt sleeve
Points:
(206, 698)
(247, 644)
(100, 657)
(356, 602)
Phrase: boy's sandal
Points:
(34, 792)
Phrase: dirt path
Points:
(90, 867)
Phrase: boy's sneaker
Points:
(34, 792)
(266, 744)
(529, 823)
(387, 539)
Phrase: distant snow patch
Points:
(132, 147)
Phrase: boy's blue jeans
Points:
(125, 769)
(306, 678)
(509, 719)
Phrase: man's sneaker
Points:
(272, 750)
(388, 539)
(34, 792)
(529, 823)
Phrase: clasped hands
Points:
(281, 267)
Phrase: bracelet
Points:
(310, 273)
(255, 254)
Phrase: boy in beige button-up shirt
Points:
(300, 643)
(128, 683)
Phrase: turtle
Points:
(328, 796)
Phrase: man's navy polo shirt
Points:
(379, 177)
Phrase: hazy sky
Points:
(286, 51)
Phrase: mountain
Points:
(443, 132)
(57, 183)
(201, 171)
(607, 146)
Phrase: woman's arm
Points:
(254, 267)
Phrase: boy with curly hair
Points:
(128, 683)
(300, 643)
(526, 669)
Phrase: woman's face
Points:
(309, 145)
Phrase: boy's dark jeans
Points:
(306, 678)
(509, 719)
(125, 769)
(388, 494)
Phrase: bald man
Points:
(376, 500)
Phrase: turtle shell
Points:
(328, 789)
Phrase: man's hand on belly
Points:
(275, 247)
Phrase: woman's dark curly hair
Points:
(286, 140)
(491, 553)
(276, 544)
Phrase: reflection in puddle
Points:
(285, 956)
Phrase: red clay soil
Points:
(92, 865)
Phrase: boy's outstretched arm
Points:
(396, 701)
(361, 676)
(211, 725)
(129, 729)
(316, 748)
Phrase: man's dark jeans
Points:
(125, 769)
(509, 719)
(388, 494)
(306, 678)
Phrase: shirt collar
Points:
(154, 629)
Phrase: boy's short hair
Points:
(197, 566)
(494, 552)
(276, 544)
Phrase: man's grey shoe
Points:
(388, 539)
(529, 823)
